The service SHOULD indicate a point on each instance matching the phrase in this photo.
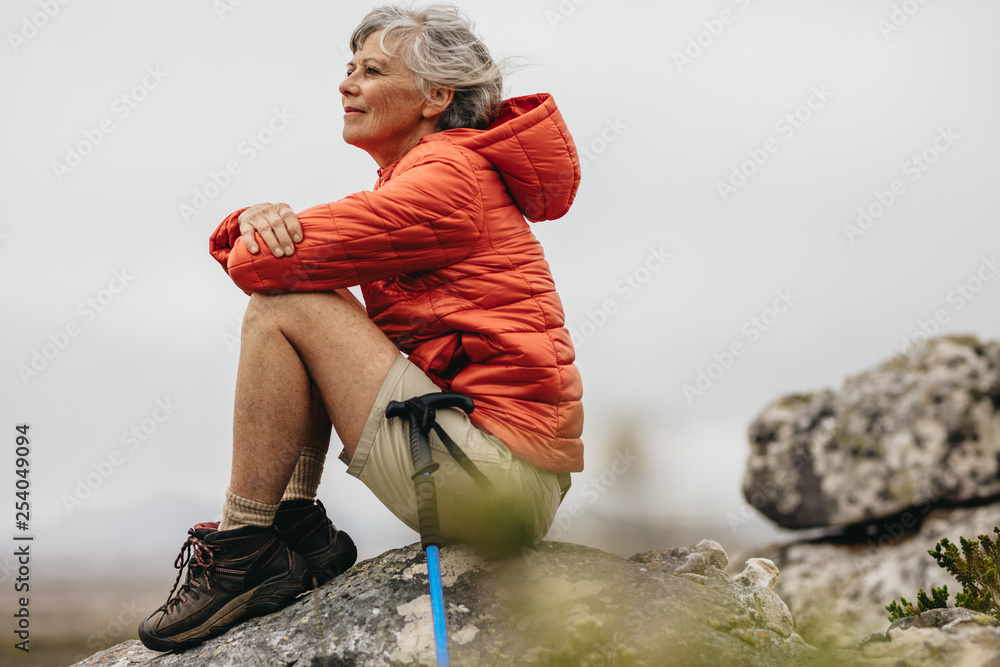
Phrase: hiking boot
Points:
(232, 575)
(305, 528)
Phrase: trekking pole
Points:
(421, 414)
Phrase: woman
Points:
(452, 278)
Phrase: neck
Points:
(384, 156)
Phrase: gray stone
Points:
(558, 604)
(940, 618)
(837, 591)
(963, 640)
(914, 432)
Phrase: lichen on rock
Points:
(556, 604)
(916, 429)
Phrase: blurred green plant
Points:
(938, 600)
(975, 567)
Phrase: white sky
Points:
(661, 134)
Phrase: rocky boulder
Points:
(837, 587)
(916, 431)
(953, 637)
(558, 604)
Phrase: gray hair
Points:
(440, 46)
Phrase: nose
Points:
(348, 86)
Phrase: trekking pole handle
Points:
(427, 511)
(447, 399)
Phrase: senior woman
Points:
(458, 297)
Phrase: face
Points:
(384, 111)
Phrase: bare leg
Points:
(306, 361)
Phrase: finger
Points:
(263, 221)
(279, 217)
(282, 223)
(291, 222)
(247, 227)
(267, 234)
(274, 232)
(247, 234)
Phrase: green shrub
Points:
(975, 567)
(937, 600)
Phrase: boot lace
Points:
(199, 558)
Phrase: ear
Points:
(438, 101)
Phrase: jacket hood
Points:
(531, 147)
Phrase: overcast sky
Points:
(786, 189)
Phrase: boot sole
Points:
(270, 596)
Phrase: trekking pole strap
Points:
(422, 413)
(463, 460)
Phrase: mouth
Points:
(349, 111)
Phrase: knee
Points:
(265, 311)
(279, 310)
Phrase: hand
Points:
(276, 224)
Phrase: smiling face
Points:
(385, 113)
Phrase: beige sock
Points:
(306, 476)
(238, 512)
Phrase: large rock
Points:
(837, 588)
(559, 604)
(939, 637)
(916, 431)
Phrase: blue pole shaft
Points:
(437, 605)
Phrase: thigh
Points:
(518, 511)
(346, 355)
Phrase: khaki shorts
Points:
(526, 497)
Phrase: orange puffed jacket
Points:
(452, 274)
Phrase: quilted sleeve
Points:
(221, 242)
(426, 217)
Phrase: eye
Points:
(372, 70)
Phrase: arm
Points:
(426, 217)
